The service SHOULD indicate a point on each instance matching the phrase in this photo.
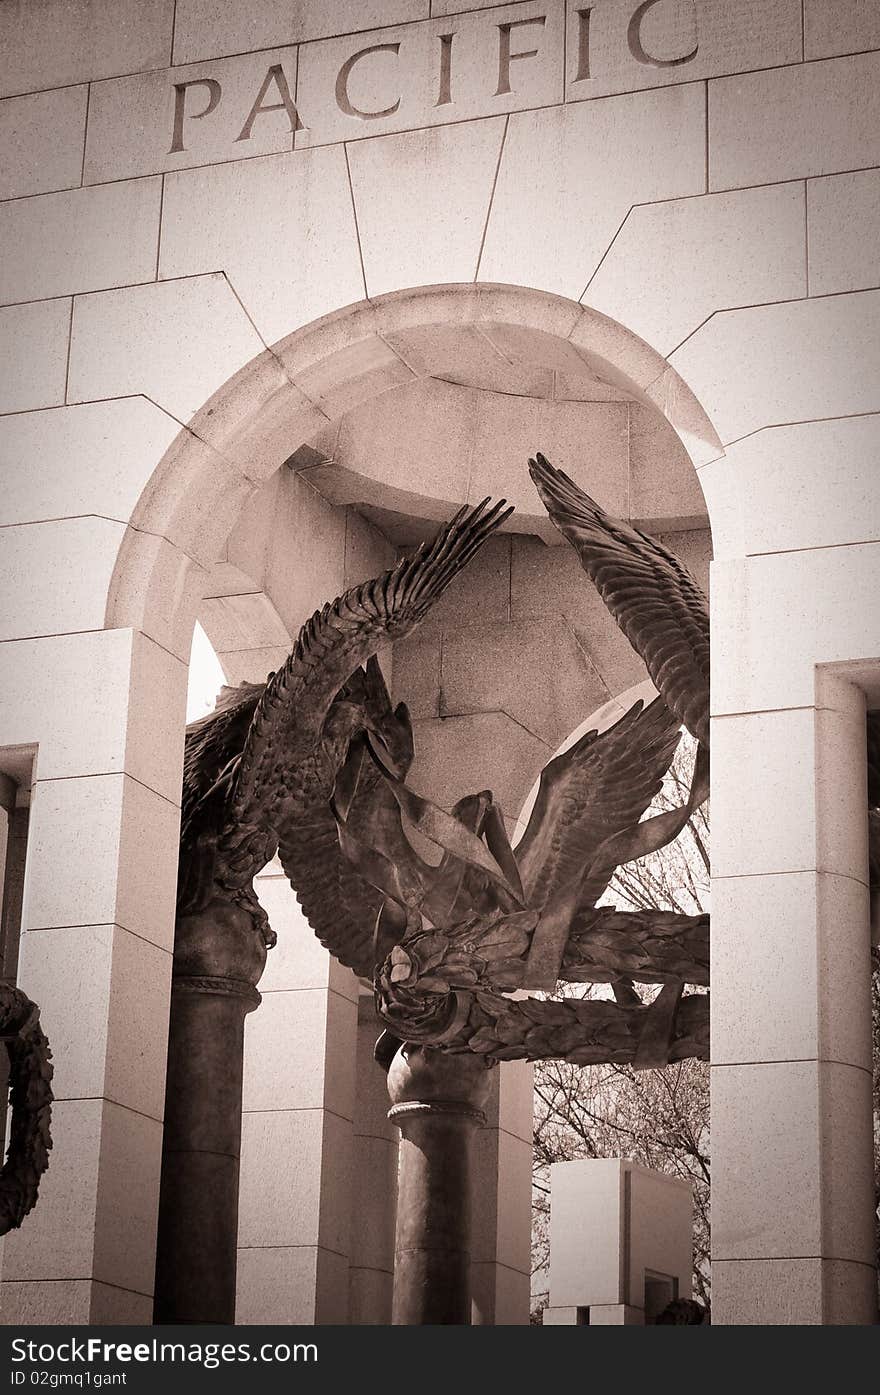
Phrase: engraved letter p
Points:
(180, 91)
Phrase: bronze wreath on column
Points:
(30, 1095)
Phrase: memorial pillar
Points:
(437, 1103)
(218, 959)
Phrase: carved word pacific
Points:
(420, 70)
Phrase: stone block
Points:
(60, 1302)
(305, 564)
(175, 341)
(765, 760)
(298, 960)
(575, 436)
(252, 665)
(120, 1307)
(398, 87)
(156, 588)
(299, 1052)
(775, 364)
(501, 1296)
(98, 1200)
(672, 396)
(128, 1199)
(156, 122)
(585, 1258)
(613, 51)
(368, 553)
(815, 607)
(45, 258)
(85, 711)
(795, 1181)
(843, 212)
(504, 668)
(757, 122)
(243, 622)
(514, 1182)
(846, 1142)
(373, 1195)
(417, 674)
(460, 755)
(204, 29)
(646, 146)
(295, 1175)
(42, 137)
(549, 584)
(94, 458)
(256, 416)
(411, 232)
(478, 595)
(235, 217)
(369, 1297)
(34, 341)
(475, 356)
(62, 42)
(516, 1098)
(276, 1284)
(810, 485)
(659, 282)
(800, 941)
(792, 1292)
(348, 377)
(67, 591)
(102, 1027)
(331, 1289)
(664, 489)
(57, 1239)
(387, 456)
(103, 850)
(840, 26)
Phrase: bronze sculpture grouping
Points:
(315, 765)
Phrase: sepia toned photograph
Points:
(400, 400)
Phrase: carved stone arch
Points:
(288, 396)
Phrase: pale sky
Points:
(205, 676)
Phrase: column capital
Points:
(423, 1080)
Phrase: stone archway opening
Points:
(306, 473)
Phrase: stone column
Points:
(792, 1155)
(501, 1252)
(105, 711)
(218, 959)
(296, 1139)
(373, 1182)
(437, 1103)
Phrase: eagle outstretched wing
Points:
(285, 737)
(269, 765)
(651, 594)
(596, 789)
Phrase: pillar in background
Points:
(373, 1182)
(501, 1256)
(296, 1143)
